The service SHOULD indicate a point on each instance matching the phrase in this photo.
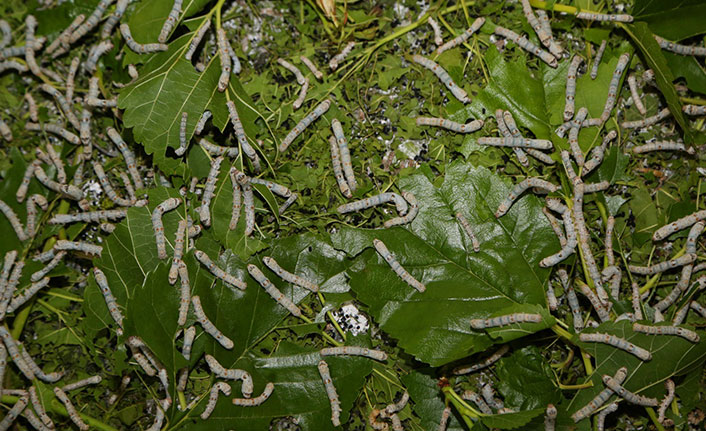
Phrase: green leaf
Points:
(614, 167)
(652, 54)
(434, 326)
(674, 20)
(526, 380)
(428, 400)
(510, 421)
(689, 68)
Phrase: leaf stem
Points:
(588, 384)
(655, 420)
(330, 316)
(56, 407)
(563, 333)
(217, 8)
(556, 7)
(587, 362)
(182, 399)
(468, 413)
(655, 278)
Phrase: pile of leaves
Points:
(67, 326)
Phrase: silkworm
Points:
(337, 169)
(217, 150)
(14, 221)
(248, 201)
(114, 18)
(528, 46)
(698, 308)
(8, 261)
(27, 294)
(93, 56)
(450, 125)
(490, 360)
(30, 41)
(55, 129)
(48, 267)
(63, 104)
(213, 398)
(570, 85)
(694, 109)
(516, 141)
(616, 342)
(93, 380)
(240, 135)
(666, 401)
(13, 413)
(396, 267)
(341, 56)
(312, 67)
(610, 226)
(519, 189)
(13, 51)
(550, 418)
(445, 414)
(218, 272)
(554, 223)
(461, 38)
(208, 192)
(399, 201)
(88, 217)
(320, 109)
(593, 16)
(505, 320)
(275, 188)
(183, 143)
(658, 317)
(62, 41)
(664, 113)
(597, 304)
(630, 397)
(663, 146)
(574, 137)
(225, 59)
(235, 212)
(286, 204)
(178, 251)
(189, 335)
(568, 248)
(667, 330)
(680, 224)
(128, 155)
(91, 22)
(399, 405)
(252, 402)
(378, 355)
(201, 124)
(504, 130)
(288, 276)
(583, 241)
(685, 259)
(141, 360)
(676, 48)
(478, 401)
(438, 40)
(635, 299)
(331, 393)
(73, 414)
(411, 213)
(600, 399)
(632, 83)
(184, 291)
(231, 374)
(171, 20)
(289, 66)
(488, 394)
(196, 39)
(158, 226)
(469, 231)
(138, 47)
(45, 421)
(552, 302)
(600, 419)
(32, 107)
(15, 355)
(208, 326)
(85, 134)
(596, 187)
(10, 286)
(443, 76)
(344, 153)
(6, 33)
(12, 65)
(271, 290)
(55, 159)
(108, 188)
(614, 275)
(541, 31)
(614, 87)
(41, 375)
(110, 301)
(515, 132)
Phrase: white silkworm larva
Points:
(213, 398)
(292, 68)
(630, 397)
(450, 125)
(128, 155)
(110, 301)
(48, 267)
(235, 212)
(445, 414)
(600, 419)
(286, 204)
(234, 58)
(81, 246)
(613, 89)
(573, 301)
(610, 226)
(248, 202)
(45, 421)
(584, 242)
(320, 109)
(666, 401)
(6, 33)
(635, 299)
(508, 319)
(438, 39)
(528, 46)
(202, 123)
(208, 192)
(680, 49)
(600, 399)
(5, 131)
(516, 141)
(574, 137)
(399, 405)
(312, 67)
(698, 308)
(396, 267)
(488, 394)
(14, 221)
(519, 189)
(661, 115)
(73, 68)
(663, 266)
(593, 16)
(275, 188)
(217, 150)
(461, 38)
(41, 375)
(183, 143)
(443, 76)
(504, 130)
(34, 110)
(63, 104)
(490, 360)
(663, 146)
(10, 286)
(73, 413)
(616, 342)
(231, 374)
(142, 360)
(91, 22)
(515, 132)
(288, 276)
(225, 59)
(15, 354)
(337, 169)
(93, 380)
(302, 94)
(550, 418)
(189, 335)
(57, 162)
(554, 223)
(596, 187)
(158, 226)
(26, 294)
(614, 275)
(196, 40)
(57, 130)
(13, 413)
(271, 290)
(114, 18)
(88, 217)
(478, 401)
(172, 18)
(30, 42)
(92, 61)
(400, 203)
(331, 392)
(178, 251)
(208, 326)
(680, 224)
(378, 355)
(138, 47)
(341, 56)
(687, 109)
(571, 86)
(632, 83)
(252, 402)
(469, 231)
(658, 317)
(12, 65)
(667, 330)
(218, 272)
(552, 302)
(241, 136)
(85, 134)
(344, 153)
(128, 187)
(411, 213)
(184, 293)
